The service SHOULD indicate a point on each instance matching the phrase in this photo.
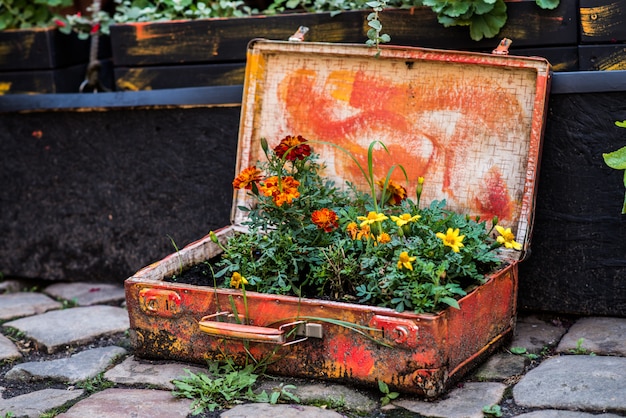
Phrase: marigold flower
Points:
(352, 229)
(404, 219)
(371, 218)
(283, 192)
(507, 238)
(245, 179)
(325, 219)
(396, 192)
(383, 238)
(404, 261)
(237, 280)
(294, 146)
(452, 239)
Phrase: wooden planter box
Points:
(419, 353)
(43, 60)
(212, 51)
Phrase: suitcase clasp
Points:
(400, 331)
(160, 302)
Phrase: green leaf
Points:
(489, 24)
(547, 4)
(616, 159)
(382, 386)
(621, 124)
(518, 350)
(450, 302)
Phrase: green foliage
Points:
(24, 14)
(387, 395)
(355, 258)
(161, 10)
(492, 410)
(95, 384)
(580, 350)
(521, 351)
(375, 37)
(617, 160)
(86, 25)
(226, 385)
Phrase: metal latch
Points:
(160, 302)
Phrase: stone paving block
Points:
(8, 350)
(501, 367)
(132, 372)
(56, 329)
(16, 305)
(604, 336)
(33, 404)
(331, 395)
(10, 286)
(87, 294)
(125, 403)
(264, 410)
(82, 366)
(464, 402)
(585, 383)
(534, 334)
(554, 413)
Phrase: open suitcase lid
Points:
(471, 124)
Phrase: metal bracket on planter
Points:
(239, 331)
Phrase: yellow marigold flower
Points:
(371, 218)
(404, 261)
(452, 239)
(404, 219)
(397, 193)
(237, 280)
(245, 179)
(383, 238)
(507, 238)
(284, 192)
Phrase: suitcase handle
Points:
(230, 330)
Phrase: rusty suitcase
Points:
(472, 123)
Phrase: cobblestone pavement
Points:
(64, 351)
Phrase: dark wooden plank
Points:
(578, 260)
(179, 76)
(602, 57)
(222, 96)
(57, 80)
(220, 40)
(43, 49)
(561, 58)
(602, 21)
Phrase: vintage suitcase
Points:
(470, 123)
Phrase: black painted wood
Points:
(578, 260)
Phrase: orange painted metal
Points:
(472, 123)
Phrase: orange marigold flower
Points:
(282, 192)
(245, 179)
(396, 192)
(352, 229)
(325, 219)
(383, 238)
(294, 146)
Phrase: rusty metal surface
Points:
(419, 353)
(470, 123)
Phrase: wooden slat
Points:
(602, 21)
(602, 57)
(220, 40)
(178, 76)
